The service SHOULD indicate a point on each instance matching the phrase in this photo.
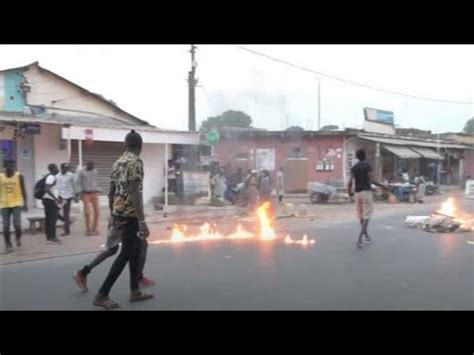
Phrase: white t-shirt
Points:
(50, 180)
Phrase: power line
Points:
(353, 82)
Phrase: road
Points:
(403, 269)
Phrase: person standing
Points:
(280, 185)
(361, 176)
(51, 203)
(128, 213)
(67, 192)
(13, 200)
(265, 186)
(88, 190)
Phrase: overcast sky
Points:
(150, 81)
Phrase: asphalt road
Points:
(403, 269)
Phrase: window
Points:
(325, 165)
(242, 156)
(295, 153)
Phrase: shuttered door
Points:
(103, 154)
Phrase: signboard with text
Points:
(380, 116)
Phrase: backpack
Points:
(40, 187)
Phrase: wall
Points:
(11, 97)
(46, 88)
(46, 149)
(153, 156)
(314, 149)
(469, 163)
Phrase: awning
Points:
(427, 153)
(397, 140)
(402, 152)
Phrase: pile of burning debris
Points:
(446, 220)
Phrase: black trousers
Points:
(130, 253)
(66, 218)
(51, 212)
(112, 251)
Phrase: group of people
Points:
(254, 188)
(57, 190)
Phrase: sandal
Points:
(140, 296)
(106, 302)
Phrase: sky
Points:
(149, 81)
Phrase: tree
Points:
(329, 128)
(295, 129)
(229, 118)
(469, 127)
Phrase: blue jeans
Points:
(6, 214)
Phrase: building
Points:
(327, 156)
(45, 118)
(305, 155)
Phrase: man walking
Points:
(280, 185)
(51, 203)
(129, 217)
(67, 191)
(89, 192)
(12, 201)
(361, 173)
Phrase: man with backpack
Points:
(13, 200)
(46, 190)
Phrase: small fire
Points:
(304, 242)
(448, 208)
(267, 232)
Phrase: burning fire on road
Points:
(449, 218)
(209, 232)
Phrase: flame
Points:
(210, 231)
(303, 242)
(448, 207)
(267, 232)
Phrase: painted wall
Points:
(11, 97)
(46, 149)
(314, 149)
(46, 88)
(153, 156)
(469, 163)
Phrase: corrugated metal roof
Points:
(402, 152)
(427, 153)
(411, 142)
(79, 121)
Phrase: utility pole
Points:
(192, 95)
(193, 156)
(319, 105)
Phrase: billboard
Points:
(380, 116)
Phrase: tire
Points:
(317, 197)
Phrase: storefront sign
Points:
(470, 189)
(89, 137)
(381, 116)
(31, 128)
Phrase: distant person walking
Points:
(51, 203)
(67, 192)
(88, 190)
(361, 177)
(280, 184)
(12, 201)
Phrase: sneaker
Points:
(8, 249)
(56, 241)
(145, 282)
(105, 302)
(137, 296)
(65, 234)
(81, 280)
(368, 239)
